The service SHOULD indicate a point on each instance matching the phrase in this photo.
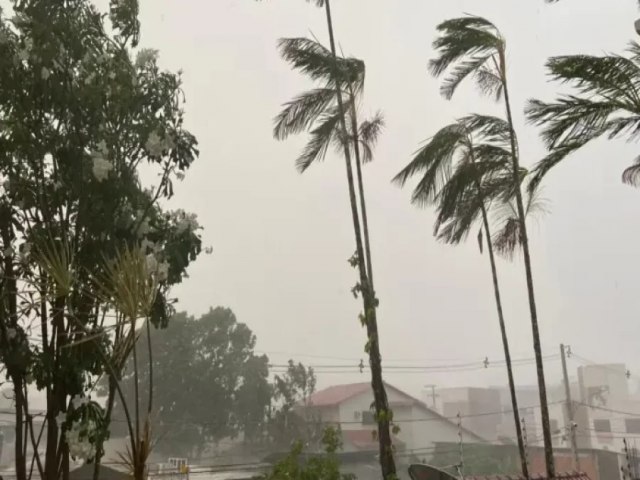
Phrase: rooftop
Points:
(337, 394)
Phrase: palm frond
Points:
(489, 82)
(461, 71)
(470, 178)
(490, 128)
(55, 258)
(608, 103)
(369, 131)
(508, 238)
(456, 228)
(568, 124)
(633, 49)
(631, 175)
(610, 77)
(129, 284)
(316, 61)
(469, 41)
(300, 113)
(322, 136)
(487, 152)
(433, 161)
(537, 205)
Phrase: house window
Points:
(368, 418)
(602, 426)
(632, 425)
(357, 415)
(553, 425)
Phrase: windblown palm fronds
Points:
(606, 104)
(469, 46)
(472, 46)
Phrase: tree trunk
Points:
(383, 415)
(20, 453)
(544, 408)
(505, 346)
(363, 204)
(107, 418)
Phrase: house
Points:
(349, 407)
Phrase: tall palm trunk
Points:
(544, 408)
(387, 462)
(503, 330)
(505, 346)
(363, 205)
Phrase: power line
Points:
(435, 418)
(606, 409)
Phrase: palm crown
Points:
(463, 168)
(317, 111)
(607, 103)
(469, 46)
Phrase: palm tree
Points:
(461, 173)
(304, 110)
(607, 104)
(473, 46)
(309, 64)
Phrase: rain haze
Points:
(281, 240)
(99, 178)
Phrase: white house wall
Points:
(420, 428)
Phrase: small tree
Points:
(79, 115)
(316, 467)
(288, 419)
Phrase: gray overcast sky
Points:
(281, 240)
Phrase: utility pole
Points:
(433, 395)
(572, 423)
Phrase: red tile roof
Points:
(337, 394)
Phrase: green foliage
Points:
(606, 104)
(208, 383)
(79, 115)
(286, 424)
(297, 466)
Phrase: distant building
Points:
(475, 406)
(613, 413)
(349, 406)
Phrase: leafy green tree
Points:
(605, 104)
(78, 117)
(462, 171)
(288, 420)
(208, 383)
(317, 467)
(330, 124)
(472, 46)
